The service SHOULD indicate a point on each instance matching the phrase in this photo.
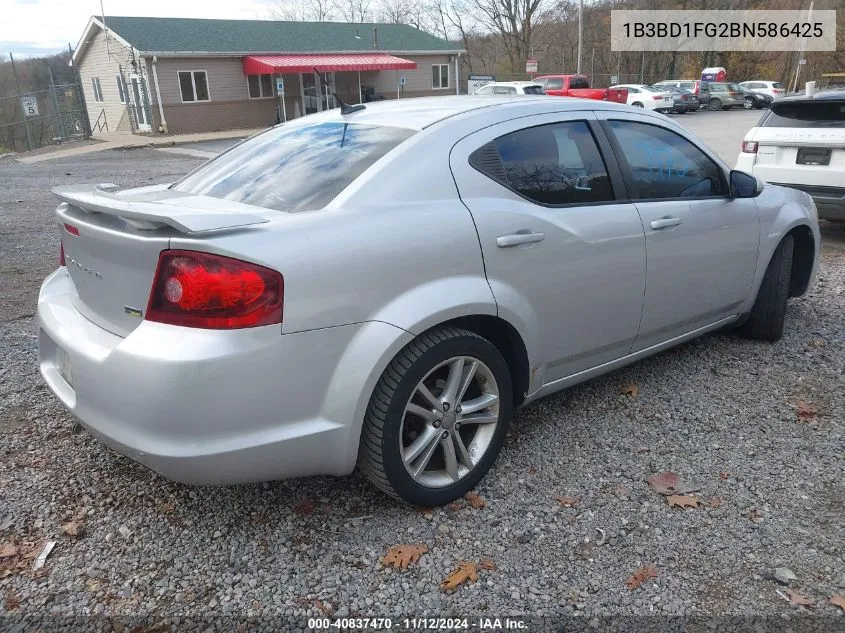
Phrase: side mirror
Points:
(745, 185)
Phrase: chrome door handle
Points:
(515, 239)
(665, 223)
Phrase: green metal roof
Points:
(163, 35)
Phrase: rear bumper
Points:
(830, 201)
(205, 406)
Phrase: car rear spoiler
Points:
(184, 212)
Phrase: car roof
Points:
(513, 83)
(824, 95)
(421, 112)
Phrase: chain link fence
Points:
(42, 117)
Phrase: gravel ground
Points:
(722, 412)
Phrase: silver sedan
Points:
(383, 288)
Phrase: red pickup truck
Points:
(579, 86)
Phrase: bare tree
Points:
(303, 11)
(353, 10)
(513, 21)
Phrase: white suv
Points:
(511, 88)
(800, 143)
(772, 88)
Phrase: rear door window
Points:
(554, 83)
(294, 168)
(806, 114)
(664, 164)
(579, 83)
(555, 164)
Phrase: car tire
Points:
(768, 314)
(391, 433)
(748, 104)
(715, 104)
(637, 104)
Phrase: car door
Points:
(564, 258)
(701, 244)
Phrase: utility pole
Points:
(18, 87)
(801, 59)
(593, 66)
(642, 70)
(580, 33)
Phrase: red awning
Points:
(277, 64)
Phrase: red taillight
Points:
(749, 147)
(61, 253)
(211, 291)
(72, 229)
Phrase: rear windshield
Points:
(294, 168)
(806, 114)
(577, 83)
(777, 85)
(533, 90)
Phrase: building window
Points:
(260, 86)
(98, 91)
(121, 88)
(440, 76)
(193, 84)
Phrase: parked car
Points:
(578, 86)
(800, 143)
(699, 88)
(725, 96)
(772, 88)
(683, 100)
(754, 100)
(384, 286)
(511, 88)
(642, 96)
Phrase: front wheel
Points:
(437, 418)
(637, 104)
(715, 104)
(748, 104)
(769, 312)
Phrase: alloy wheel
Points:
(449, 422)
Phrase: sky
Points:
(40, 27)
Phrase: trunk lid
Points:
(796, 155)
(112, 243)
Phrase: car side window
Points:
(666, 165)
(553, 164)
(484, 90)
(554, 83)
(504, 90)
(634, 90)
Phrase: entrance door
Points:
(310, 96)
(140, 102)
(327, 100)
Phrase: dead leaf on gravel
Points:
(322, 606)
(488, 564)
(531, 471)
(464, 573)
(475, 500)
(8, 550)
(642, 450)
(669, 483)
(400, 556)
(714, 502)
(838, 601)
(305, 507)
(816, 342)
(12, 601)
(455, 505)
(166, 507)
(567, 502)
(682, 501)
(805, 410)
(724, 476)
(640, 576)
(799, 599)
(630, 389)
(755, 516)
(73, 528)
